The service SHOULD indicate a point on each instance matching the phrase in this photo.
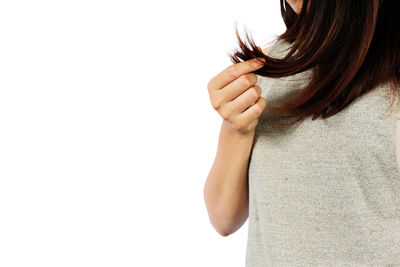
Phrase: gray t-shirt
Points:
(324, 192)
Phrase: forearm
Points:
(226, 187)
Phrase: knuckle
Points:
(253, 93)
(263, 102)
(259, 91)
(215, 103)
(255, 63)
(257, 110)
(209, 87)
(224, 114)
(245, 81)
(253, 78)
(211, 93)
(211, 84)
(232, 71)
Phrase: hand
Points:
(234, 95)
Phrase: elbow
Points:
(227, 226)
(221, 223)
(223, 232)
(219, 218)
(223, 229)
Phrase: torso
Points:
(266, 52)
(325, 192)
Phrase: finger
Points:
(254, 111)
(245, 100)
(238, 86)
(233, 72)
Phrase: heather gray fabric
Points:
(324, 192)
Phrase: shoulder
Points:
(278, 49)
(266, 50)
(276, 45)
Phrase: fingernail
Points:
(261, 60)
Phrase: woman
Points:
(323, 189)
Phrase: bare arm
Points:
(236, 98)
(226, 188)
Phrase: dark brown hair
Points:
(351, 46)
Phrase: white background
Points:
(107, 134)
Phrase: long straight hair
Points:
(351, 46)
